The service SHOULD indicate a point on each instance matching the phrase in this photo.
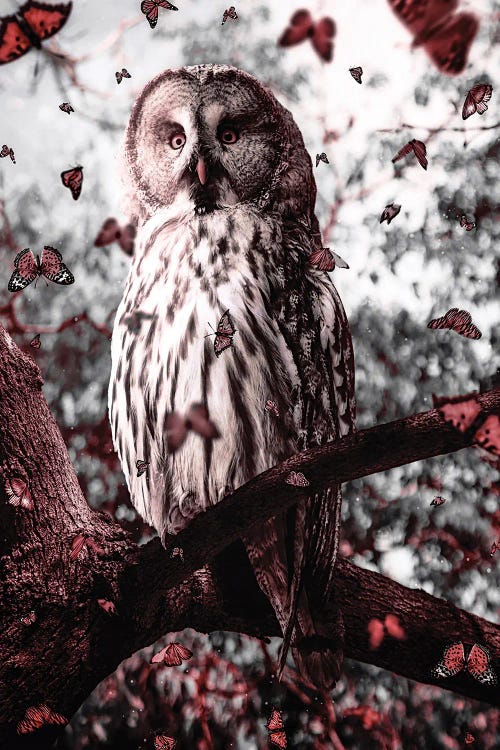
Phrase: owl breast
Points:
(186, 273)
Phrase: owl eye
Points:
(177, 140)
(228, 135)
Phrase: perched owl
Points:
(221, 186)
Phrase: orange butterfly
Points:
(29, 27)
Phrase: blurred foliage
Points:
(400, 277)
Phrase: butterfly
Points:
(390, 212)
(162, 742)
(196, 420)
(476, 99)
(66, 107)
(224, 334)
(172, 655)
(36, 716)
(467, 224)
(356, 74)
(29, 27)
(18, 493)
(35, 342)
(459, 321)
(77, 545)
(378, 629)
(272, 406)
(297, 479)
(73, 179)
(29, 619)
(276, 729)
(494, 548)
(446, 36)
(121, 75)
(418, 148)
(229, 13)
(7, 151)
(111, 231)
(28, 268)
(488, 435)
(326, 260)
(302, 27)
(461, 414)
(107, 606)
(438, 500)
(321, 157)
(477, 663)
(150, 9)
(469, 738)
(177, 552)
(141, 467)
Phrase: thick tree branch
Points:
(73, 644)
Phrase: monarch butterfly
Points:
(224, 334)
(150, 9)
(29, 27)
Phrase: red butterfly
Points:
(29, 619)
(461, 414)
(150, 9)
(390, 212)
(229, 13)
(356, 74)
(438, 500)
(477, 663)
(321, 157)
(66, 107)
(35, 342)
(121, 75)
(476, 99)
(467, 224)
(111, 231)
(73, 179)
(108, 607)
(446, 36)
(18, 493)
(77, 545)
(276, 729)
(297, 479)
(272, 406)
(224, 334)
(488, 435)
(141, 467)
(162, 742)
(326, 260)
(418, 148)
(172, 655)
(6, 151)
(196, 420)
(494, 548)
(303, 27)
(459, 321)
(377, 630)
(469, 738)
(177, 552)
(29, 27)
(28, 268)
(36, 716)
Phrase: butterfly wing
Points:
(322, 259)
(43, 19)
(407, 148)
(126, 239)
(449, 46)
(301, 25)
(469, 107)
(141, 467)
(125, 73)
(109, 232)
(225, 326)
(172, 657)
(35, 342)
(73, 179)
(452, 663)
(181, 651)
(66, 107)
(394, 628)
(479, 665)
(76, 546)
(462, 414)
(36, 716)
(13, 41)
(356, 74)
(422, 16)
(26, 271)
(198, 420)
(176, 431)
(162, 742)
(53, 268)
(488, 435)
(446, 321)
(463, 325)
(278, 739)
(420, 151)
(17, 491)
(322, 38)
(376, 633)
(150, 10)
(275, 721)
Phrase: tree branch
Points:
(73, 644)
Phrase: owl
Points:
(221, 187)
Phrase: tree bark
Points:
(74, 643)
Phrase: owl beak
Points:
(201, 169)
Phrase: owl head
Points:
(211, 136)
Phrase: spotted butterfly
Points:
(272, 406)
(229, 13)
(224, 334)
(438, 500)
(303, 27)
(467, 224)
(477, 664)
(297, 479)
(150, 9)
(459, 321)
(418, 148)
(172, 655)
(29, 619)
(29, 27)
(73, 179)
(66, 107)
(276, 729)
(28, 268)
(36, 716)
(356, 74)
(476, 99)
(18, 493)
(7, 151)
(141, 467)
(35, 342)
(162, 742)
